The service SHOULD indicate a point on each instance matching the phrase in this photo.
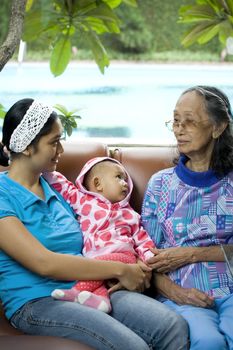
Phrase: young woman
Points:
(41, 244)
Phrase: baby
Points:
(111, 228)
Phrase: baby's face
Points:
(114, 182)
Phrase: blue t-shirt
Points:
(52, 222)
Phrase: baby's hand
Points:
(151, 260)
(148, 274)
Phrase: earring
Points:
(8, 153)
(215, 135)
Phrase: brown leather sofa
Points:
(141, 162)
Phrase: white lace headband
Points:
(31, 124)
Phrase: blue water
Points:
(137, 97)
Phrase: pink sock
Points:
(93, 300)
(84, 298)
(65, 294)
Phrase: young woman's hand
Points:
(133, 278)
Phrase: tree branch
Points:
(14, 32)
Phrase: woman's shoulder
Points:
(159, 175)
(230, 175)
(160, 179)
(229, 179)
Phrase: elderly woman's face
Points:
(191, 125)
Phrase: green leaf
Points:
(210, 17)
(113, 3)
(131, 2)
(2, 111)
(105, 14)
(189, 14)
(73, 124)
(225, 31)
(98, 50)
(100, 26)
(193, 35)
(60, 55)
(69, 129)
(116, 3)
(67, 118)
(70, 30)
(29, 5)
(230, 19)
(82, 7)
(215, 5)
(32, 26)
(74, 111)
(230, 6)
(61, 108)
(208, 34)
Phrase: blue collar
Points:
(193, 178)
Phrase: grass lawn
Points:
(165, 56)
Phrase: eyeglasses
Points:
(187, 124)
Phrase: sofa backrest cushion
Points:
(141, 162)
(77, 154)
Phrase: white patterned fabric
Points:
(31, 124)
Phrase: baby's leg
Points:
(90, 293)
(124, 257)
(93, 293)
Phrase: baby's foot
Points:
(95, 301)
(65, 294)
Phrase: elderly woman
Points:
(188, 212)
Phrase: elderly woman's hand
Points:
(170, 259)
(193, 296)
(181, 296)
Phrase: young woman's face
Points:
(49, 149)
(192, 127)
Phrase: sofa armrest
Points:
(29, 342)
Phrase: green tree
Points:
(11, 42)
(209, 18)
(135, 35)
(4, 10)
(62, 23)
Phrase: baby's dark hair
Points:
(12, 119)
(88, 176)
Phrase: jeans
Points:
(210, 329)
(136, 322)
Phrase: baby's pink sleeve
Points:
(143, 243)
(65, 187)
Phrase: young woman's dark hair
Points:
(12, 119)
(219, 111)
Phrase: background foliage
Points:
(152, 27)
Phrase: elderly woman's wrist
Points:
(194, 256)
